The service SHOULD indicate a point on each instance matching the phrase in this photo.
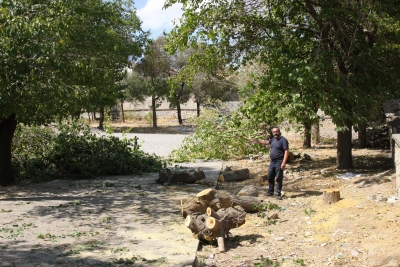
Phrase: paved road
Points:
(159, 144)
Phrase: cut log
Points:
(234, 175)
(215, 226)
(204, 182)
(248, 190)
(248, 203)
(186, 176)
(331, 195)
(216, 199)
(226, 219)
(211, 213)
(197, 224)
(232, 217)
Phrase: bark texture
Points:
(7, 130)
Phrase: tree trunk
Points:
(198, 108)
(76, 115)
(101, 119)
(362, 135)
(307, 134)
(248, 203)
(178, 108)
(153, 108)
(7, 130)
(186, 176)
(122, 111)
(248, 190)
(234, 175)
(316, 133)
(344, 156)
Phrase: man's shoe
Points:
(270, 194)
(279, 197)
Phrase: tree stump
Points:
(248, 190)
(234, 175)
(187, 176)
(331, 195)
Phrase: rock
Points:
(380, 199)
(392, 199)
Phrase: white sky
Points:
(155, 18)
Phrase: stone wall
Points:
(396, 157)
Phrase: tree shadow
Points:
(231, 242)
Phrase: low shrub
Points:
(72, 151)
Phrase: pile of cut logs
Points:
(212, 213)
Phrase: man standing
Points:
(279, 155)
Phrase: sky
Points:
(155, 18)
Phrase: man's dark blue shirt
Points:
(278, 148)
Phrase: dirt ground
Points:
(361, 229)
(116, 221)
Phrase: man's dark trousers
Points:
(275, 172)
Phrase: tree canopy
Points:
(57, 56)
(338, 56)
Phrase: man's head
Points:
(276, 132)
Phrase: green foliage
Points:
(216, 137)
(41, 154)
(264, 208)
(309, 211)
(340, 57)
(265, 262)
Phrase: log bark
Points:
(197, 224)
(248, 190)
(217, 229)
(224, 220)
(331, 195)
(186, 176)
(216, 199)
(234, 175)
(248, 203)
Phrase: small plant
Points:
(119, 250)
(299, 261)
(106, 219)
(145, 208)
(309, 212)
(265, 262)
(3, 210)
(263, 208)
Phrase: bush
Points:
(74, 152)
(217, 137)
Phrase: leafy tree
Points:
(180, 82)
(55, 56)
(340, 55)
(155, 67)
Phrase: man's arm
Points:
(257, 141)
(285, 158)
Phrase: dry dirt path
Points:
(110, 221)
